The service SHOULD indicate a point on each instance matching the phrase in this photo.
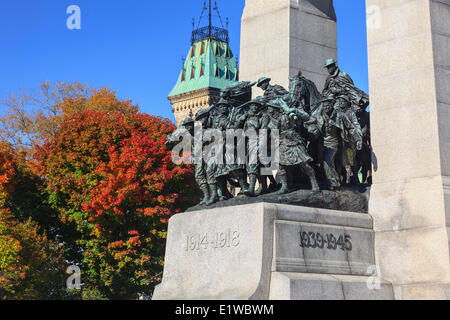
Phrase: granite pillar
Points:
(409, 75)
(281, 37)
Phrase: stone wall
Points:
(280, 37)
(188, 104)
(409, 71)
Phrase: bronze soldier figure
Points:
(266, 140)
(363, 159)
(251, 126)
(292, 148)
(204, 179)
(342, 134)
(340, 83)
(220, 122)
(271, 92)
(227, 169)
(331, 129)
(235, 169)
(320, 134)
(349, 146)
(339, 133)
(205, 171)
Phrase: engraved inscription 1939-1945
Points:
(329, 241)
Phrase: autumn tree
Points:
(111, 175)
(22, 192)
(31, 265)
(31, 117)
(84, 171)
(8, 171)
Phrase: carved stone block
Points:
(239, 252)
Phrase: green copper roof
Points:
(210, 63)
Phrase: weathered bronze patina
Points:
(323, 138)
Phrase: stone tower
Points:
(209, 67)
(409, 78)
(281, 37)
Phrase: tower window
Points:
(217, 49)
(217, 71)
(228, 52)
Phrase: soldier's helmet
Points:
(343, 97)
(187, 122)
(262, 81)
(327, 98)
(275, 104)
(202, 113)
(258, 101)
(222, 102)
(330, 62)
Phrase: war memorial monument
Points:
(307, 194)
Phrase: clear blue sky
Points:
(133, 46)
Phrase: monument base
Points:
(303, 286)
(351, 199)
(270, 251)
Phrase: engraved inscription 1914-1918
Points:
(217, 240)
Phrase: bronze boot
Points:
(312, 177)
(315, 185)
(274, 186)
(250, 192)
(243, 184)
(284, 184)
(262, 186)
(205, 190)
(213, 196)
(223, 187)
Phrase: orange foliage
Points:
(31, 266)
(29, 263)
(34, 117)
(114, 178)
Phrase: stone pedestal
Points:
(409, 73)
(263, 251)
(303, 286)
(280, 37)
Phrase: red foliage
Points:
(114, 177)
(7, 172)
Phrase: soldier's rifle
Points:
(234, 111)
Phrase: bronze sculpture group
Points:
(323, 138)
